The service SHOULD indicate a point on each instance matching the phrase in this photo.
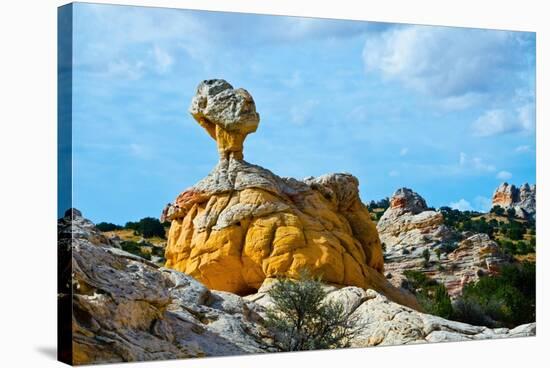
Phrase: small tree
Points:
(147, 227)
(107, 226)
(497, 210)
(426, 255)
(442, 305)
(302, 319)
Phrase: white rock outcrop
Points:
(522, 199)
(408, 223)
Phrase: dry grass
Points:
(529, 257)
(128, 235)
(491, 216)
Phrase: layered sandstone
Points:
(522, 199)
(242, 223)
(408, 223)
(475, 256)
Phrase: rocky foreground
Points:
(126, 308)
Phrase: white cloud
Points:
(294, 80)
(474, 163)
(462, 158)
(393, 173)
(523, 149)
(445, 61)
(479, 164)
(122, 69)
(300, 114)
(460, 102)
(491, 122)
(461, 205)
(163, 60)
(298, 28)
(139, 151)
(504, 175)
(500, 121)
(359, 114)
(526, 116)
(483, 204)
(404, 151)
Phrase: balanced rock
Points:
(242, 223)
(228, 115)
(522, 199)
(408, 223)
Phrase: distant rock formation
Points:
(408, 223)
(522, 199)
(475, 256)
(408, 228)
(242, 223)
(125, 308)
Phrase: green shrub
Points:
(497, 210)
(418, 279)
(158, 251)
(441, 303)
(147, 227)
(134, 248)
(426, 255)
(300, 319)
(431, 295)
(507, 299)
(383, 204)
(107, 226)
(515, 230)
(507, 246)
(466, 310)
(448, 247)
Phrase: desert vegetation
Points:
(302, 319)
(504, 300)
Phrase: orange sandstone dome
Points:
(243, 224)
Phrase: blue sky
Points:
(448, 112)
